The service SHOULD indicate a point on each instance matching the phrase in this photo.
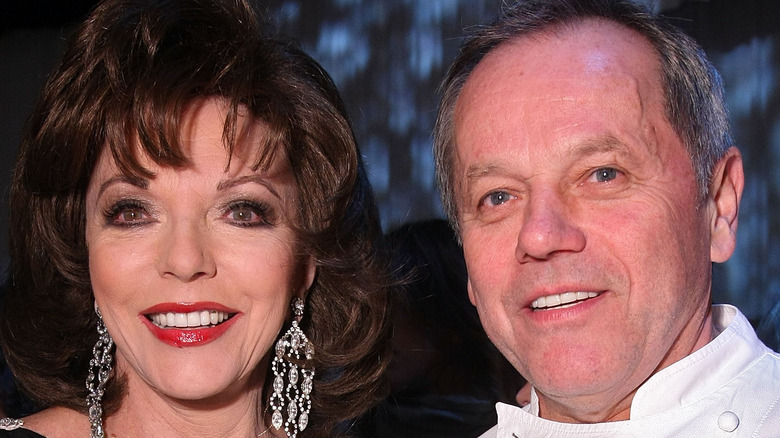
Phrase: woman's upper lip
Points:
(187, 307)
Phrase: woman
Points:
(189, 191)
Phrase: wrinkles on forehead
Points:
(532, 93)
(551, 128)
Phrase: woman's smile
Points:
(188, 324)
(183, 251)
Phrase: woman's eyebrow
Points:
(141, 183)
(246, 179)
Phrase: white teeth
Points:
(566, 299)
(202, 318)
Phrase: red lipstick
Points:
(188, 337)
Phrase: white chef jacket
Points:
(728, 388)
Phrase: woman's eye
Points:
(243, 214)
(126, 213)
(131, 215)
(248, 214)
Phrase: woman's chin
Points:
(206, 395)
(204, 385)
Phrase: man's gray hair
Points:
(693, 91)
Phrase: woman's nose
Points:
(185, 252)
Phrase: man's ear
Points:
(471, 292)
(728, 180)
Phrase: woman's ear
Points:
(728, 180)
(308, 271)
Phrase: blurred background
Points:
(388, 56)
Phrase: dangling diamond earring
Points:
(290, 349)
(99, 370)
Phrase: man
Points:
(584, 156)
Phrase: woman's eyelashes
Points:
(126, 213)
(242, 213)
(249, 213)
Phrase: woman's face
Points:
(194, 270)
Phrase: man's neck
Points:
(592, 409)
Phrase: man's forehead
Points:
(568, 110)
(555, 74)
(582, 54)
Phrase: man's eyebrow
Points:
(599, 145)
(592, 146)
(246, 179)
(141, 183)
(476, 170)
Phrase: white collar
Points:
(695, 377)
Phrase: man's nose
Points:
(547, 228)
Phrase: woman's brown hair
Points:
(129, 72)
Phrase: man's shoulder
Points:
(764, 372)
(762, 396)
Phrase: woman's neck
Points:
(144, 411)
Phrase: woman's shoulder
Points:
(57, 422)
(13, 428)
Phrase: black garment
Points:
(19, 433)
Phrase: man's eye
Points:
(605, 174)
(497, 198)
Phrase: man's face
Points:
(588, 249)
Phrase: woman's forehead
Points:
(208, 125)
